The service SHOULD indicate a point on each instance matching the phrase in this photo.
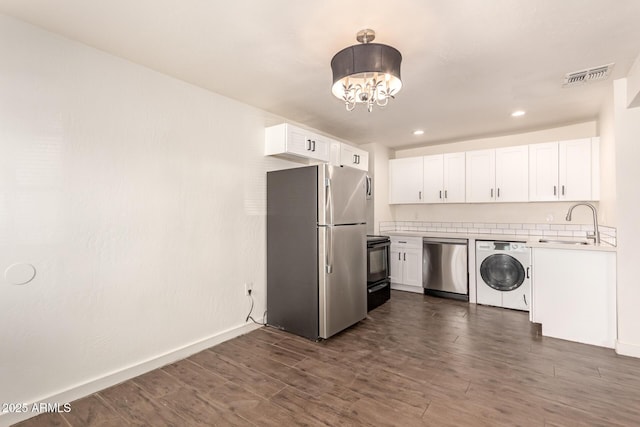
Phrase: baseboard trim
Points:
(407, 288)
(624, 349)
(100, 383)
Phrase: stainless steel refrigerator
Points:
(316, 249)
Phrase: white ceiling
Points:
(467, 64)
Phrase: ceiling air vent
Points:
(581, 77)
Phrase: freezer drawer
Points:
(445, 267)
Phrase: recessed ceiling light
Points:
(518, 113)
(418, 132)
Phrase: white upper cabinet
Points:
(454, 177)
(574, 170)
(480, 176)
(433, 178)
(497, 175)
(543, 172)
(286, 139)
(406, 180)
(512, 174)
(354, 157)
(565, 170)
(444, 178)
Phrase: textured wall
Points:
(138, 199)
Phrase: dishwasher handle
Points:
(446, 241)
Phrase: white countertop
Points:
(530, 241)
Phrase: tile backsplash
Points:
(607, 234)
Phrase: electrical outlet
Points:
(248, 288)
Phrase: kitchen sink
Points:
(564, 242)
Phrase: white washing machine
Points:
(503, 278)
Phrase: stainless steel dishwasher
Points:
(445, 270)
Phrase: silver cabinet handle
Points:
(368, 190)
(445, 194)
(492, 193)
(419, 195)
(401, 241)
(525, 300)
(314, 145)
(355, 159)
(441, 194)
(405, 256)
(555, 190)
(563, 190)
(399, 256)
(307, 145)
(528, 276)
(498, 192)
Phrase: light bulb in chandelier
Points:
(366, 73)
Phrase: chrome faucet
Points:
(596, 231)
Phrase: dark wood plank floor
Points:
(414, 361)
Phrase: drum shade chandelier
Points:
(366, 73)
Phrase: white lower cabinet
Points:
(574, 295)
(406, 264)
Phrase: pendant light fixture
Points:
(366, 73)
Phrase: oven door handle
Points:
(379, 245)
(376, 288)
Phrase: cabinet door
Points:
(395, 264)
(335, 157)
(363, 160)
(512, 174)
(354, 157)
(412, 268)
(307, 144)
(575, 295)
(454, 178)
(298, 141)
(480, 176)
(405, 180)
(543, 172)
(433, 179)
(575, 169)
(319, 147)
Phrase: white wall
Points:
(627, 143)
(508, 212)
(606, 130)
(139, 199)
(379, 170)
(578, 130)
(633, 84)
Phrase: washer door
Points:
(502, 272)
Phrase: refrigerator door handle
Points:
(329, 206)
(329, 250)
